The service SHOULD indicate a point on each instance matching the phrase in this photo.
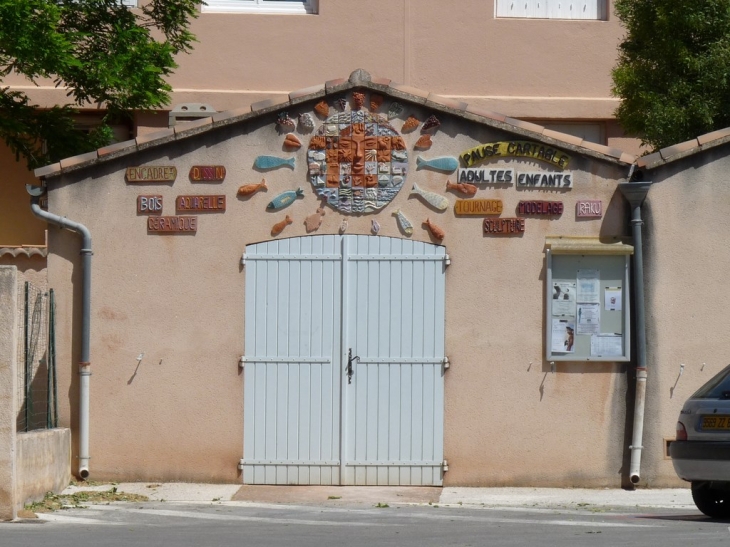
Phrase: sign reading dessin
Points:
(515, 149)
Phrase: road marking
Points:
(239, 518)
(69, 519)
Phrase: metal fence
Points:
(37, 401)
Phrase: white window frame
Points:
(261, 6)
(552, 9)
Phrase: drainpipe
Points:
(85, 364)
(635, 193)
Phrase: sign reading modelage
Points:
(540, 208)
(153, 173)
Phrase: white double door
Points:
(314, 304)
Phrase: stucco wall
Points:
(8, 389)
(43, 465)
(178, 415)
(687, 304)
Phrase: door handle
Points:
(348, 368)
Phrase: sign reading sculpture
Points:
(357, 162)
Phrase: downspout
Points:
(85, 364)
(635, 193)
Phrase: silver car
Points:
(701, 452)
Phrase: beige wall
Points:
(178, 414)
(18, 226)
(44, 464)
(687, 304)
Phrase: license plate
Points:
(715, 422)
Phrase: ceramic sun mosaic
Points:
(357, 161)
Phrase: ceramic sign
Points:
(479, 207)
(504, 226)
(149, 205)
(544, 180)
(152, 173)
(201, 203)
(479, 175)
(172, 224)
(207, 173)
(538, 208)
(515, 149)
(589, 208)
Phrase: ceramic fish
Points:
(292, 141)
(285, 198)
(424, 142)
(431, 123)
(436, 200)
(375, 102)
(375, 227)
(248, 189)
(410, 124)
(395, 110)
(272, 162)
(403, 222)
(343, 226)
(313, 222)
(341, 104)
(436, 231)
(277, 228)
(444, 163)
(463, 187)
(306, 120)
(285, 121)
(322, 108)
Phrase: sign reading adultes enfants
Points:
(152, 173)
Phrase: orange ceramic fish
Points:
(292, 141)
(436, 231)
(248, 189)
(279, 226)
(463, 187)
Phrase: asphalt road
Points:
(331, 525)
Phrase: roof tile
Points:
(564, 137)
(269, 103)
(48, 170)
(316, 90)
(525, 125)
(408, 92)
(627, 158)
(162, 135)
(191, 128)
(649, 159)
(675, 149)
(74, 161)
(385, 82)
(117, 147)
(227, 115)
(332, 86)
(485, 113)
(451, 104)
(715, 135)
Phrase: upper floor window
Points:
(552, 9)
(260, 6)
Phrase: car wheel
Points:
(713, 502)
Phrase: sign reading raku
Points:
(515, 149)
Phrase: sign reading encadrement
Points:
(149, 205)
(545, 180)
(504, 226)
(201, 203)
(589, 208)
(478, 207)
(540, 208)
(479, 175)
(172, 224)
(153, 173)
(207, 173)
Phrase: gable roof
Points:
(359, 79)
(684, 149)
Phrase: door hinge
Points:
(240, 465)
(242, 361)
(445, 466)
(447, 260)
(243, 259)
(447, 363)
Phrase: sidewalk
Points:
(676, 498)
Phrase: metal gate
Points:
(344, 361)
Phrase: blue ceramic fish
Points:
(272, 162)
(284, 199)
(440, 164)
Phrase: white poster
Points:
(589, 318)
(588, 286)
(612, 298)
(607, 345)
(563, 336)
(564, 298)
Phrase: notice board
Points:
(588, 303)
